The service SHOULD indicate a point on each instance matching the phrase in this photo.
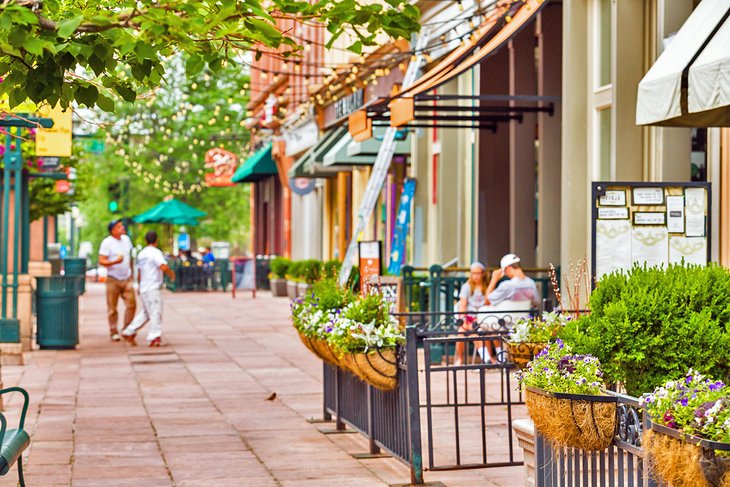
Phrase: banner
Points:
(223, 164)
(55, 141)
(398, 244)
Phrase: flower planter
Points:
(308, 343)
(522, 352)
(278, 287)
(291, 289)
(682, 459)
(573, 420)
(324, 351)
(303, 288)
(379, 368)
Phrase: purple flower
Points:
(669, 420)
(717, 385)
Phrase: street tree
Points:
(98, 52)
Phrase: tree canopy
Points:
(97, 53)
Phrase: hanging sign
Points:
(302, 186)
(49, 163)
(55, 141)
(223, 164)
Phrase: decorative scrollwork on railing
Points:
(630, 426)
(481, 322)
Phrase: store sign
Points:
(301, 138)
(55, 141)
(223, 164)
(370, 259)
(302, 186)
(390, 287)
(49, 163)
(347, 105)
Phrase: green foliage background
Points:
(651, 325)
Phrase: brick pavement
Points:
(196, 411)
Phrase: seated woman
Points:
(473, 295)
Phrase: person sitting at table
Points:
(473, 295)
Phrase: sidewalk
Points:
(195, 412)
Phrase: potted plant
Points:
(292, 278)
(277, 277)
(689, 436)
(566, 398)
(310, 273)
(365, 337)
(529, 336)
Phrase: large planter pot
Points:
(522, 352)
(573, 420)
(291, 289)
(379, 368)
(684, 460)
(303, 288)
(278, 287)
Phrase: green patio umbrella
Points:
(171, 211)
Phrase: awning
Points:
(257, 167)
(349, 152)
(689, 84)
(310, 164)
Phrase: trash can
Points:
(75, 266)
(57, 309)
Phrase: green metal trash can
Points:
(57, 309)
(74, 266)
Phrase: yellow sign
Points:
(56, 141)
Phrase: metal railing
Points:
(623, 464)
(193, 277)
(436, 288)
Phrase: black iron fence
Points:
(197, 276)
(462, 410)
(623, 464)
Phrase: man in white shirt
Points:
(150, 266)
(519, 287)
(115, 255)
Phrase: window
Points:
(605, 144)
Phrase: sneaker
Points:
(156, 342)
(115, 337)
(130, 339)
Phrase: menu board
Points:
(653, 224)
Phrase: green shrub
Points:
(331, 268)
(294, 272)
(311, 271)
(651, 325)
(279, 267)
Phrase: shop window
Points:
(698, 159)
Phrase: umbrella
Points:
(171, 211)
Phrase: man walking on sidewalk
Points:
(150, 266)
(115, 254)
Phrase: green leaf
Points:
(105, 103)
(33, 45)
(194, 65)
(127, 94)
(68, 26)
(87, 95)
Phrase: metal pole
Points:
(25, 223)
(414, 407)
(6, 224)
(16, 227)
(45, 237)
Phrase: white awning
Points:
(699, 54)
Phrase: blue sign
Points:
(403, 219)
(183, 241)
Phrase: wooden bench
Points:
(13, 441)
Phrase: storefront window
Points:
(699, 154)
(605, 144)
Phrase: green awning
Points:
(348, 152)
(257, 167)
(309, 165)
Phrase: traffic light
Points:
(115, 193)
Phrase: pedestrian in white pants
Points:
(151, 265)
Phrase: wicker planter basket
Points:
(324, 351)
(523, 352)
(684, 460)
(308, 343)
(379, 368)
(573, 420)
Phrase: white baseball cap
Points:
(508, 260)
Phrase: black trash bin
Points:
(57, 309)
(74, 266)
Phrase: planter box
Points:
(291, 289)
(573, 420)
(278, 287)
(682, 459)
(303, 288)
(522, 352)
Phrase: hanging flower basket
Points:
(323, 351)
(308, 343)
(378, 367)
(522, 352)
(686, 460)
(581, 421)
